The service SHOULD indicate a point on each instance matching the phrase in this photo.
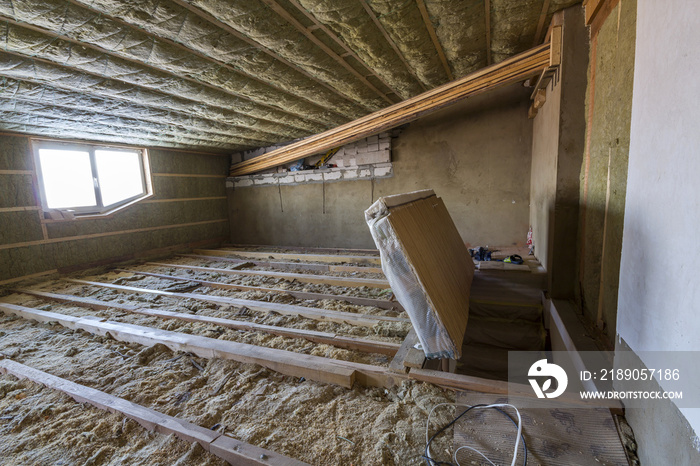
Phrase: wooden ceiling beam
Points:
(487, 19)
(391, 42)
(221, 25)
(433, 36)
(540, 24)
(519, 67)
(277, 8)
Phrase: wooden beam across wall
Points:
(514, 69)
(300, 277)
(324, 315)
(359, 344)
(227, 448)
(380, 303)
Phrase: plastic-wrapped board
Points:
(427, 265)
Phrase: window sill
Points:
(62, 216)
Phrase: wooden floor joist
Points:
(211, 255)
(380, 303)
(261, 306)
(303, 249)
(332, 371)
(518, 68)
(359, 344)
(300, 277)
(332, 258)
(227, 448)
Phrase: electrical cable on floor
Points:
(518, 438)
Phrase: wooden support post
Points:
(300, 277)
(261, 306)
(227, 448)
(359, 344)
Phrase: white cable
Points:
(474, 450)
(498, 405)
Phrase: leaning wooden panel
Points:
(227, 448)
(427, 265)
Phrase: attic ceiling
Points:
(228, 75)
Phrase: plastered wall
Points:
(475, 155)
(659, 297)
(189, 207)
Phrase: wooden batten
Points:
(211, 255)
(261, 306)
(359, 344)
(380, 303)
(300, 277)
(331, 258)
(227, 448)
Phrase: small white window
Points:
(86, 179)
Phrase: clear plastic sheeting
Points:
(433, 323)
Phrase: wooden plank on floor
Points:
(257, 247)
(261, 306)
(284, 362)
(332, 371)
(332, 258)
(380, 303)
(231, 450)
(210, 256)
(359, 344)
(300, 277)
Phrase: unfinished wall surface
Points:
(604, 169)
(557, 150)
(189, 206)
(658, 294)
(475, 155)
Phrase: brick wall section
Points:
(369, 158)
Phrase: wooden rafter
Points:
(194, 52)
(221, 25)
(433, 36)
(391, 42)
(517, 68)
(540, 24)
(277, 8)
(487, 20)
(348, 51)
(110, 53)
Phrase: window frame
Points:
(100, 210)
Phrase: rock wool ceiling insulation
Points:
(228, 75)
